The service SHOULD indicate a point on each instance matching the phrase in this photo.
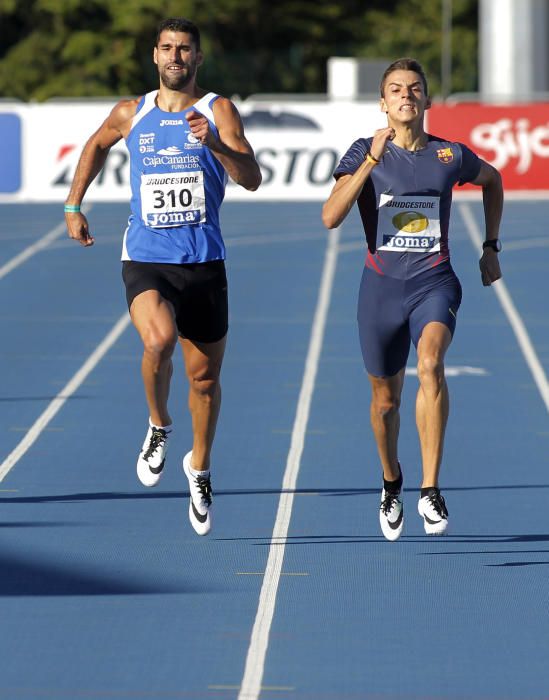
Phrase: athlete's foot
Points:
(432, 508)
(200, 502)
(153, 455)
(391, 515)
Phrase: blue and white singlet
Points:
(405, 203)
(177, 187)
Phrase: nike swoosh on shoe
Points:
(433, 522)
(157, 470)
(201, 518)
(396, 524)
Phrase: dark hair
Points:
(179, 24)
(404, 64)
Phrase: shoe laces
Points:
(158, 438)
(388, 502)
(436, 499)
(204, 485)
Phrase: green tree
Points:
(414, 28)
(54, 48)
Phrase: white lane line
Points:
(57, 403)
(511, 312)
(255, 661)
(455, 371)
(40, 244)
(526, 244)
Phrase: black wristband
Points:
(493, 243)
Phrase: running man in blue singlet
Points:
(184, 143)
(402, 180)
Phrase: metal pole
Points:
(446, 49)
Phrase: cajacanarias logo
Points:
(509, 140)
(176, 161)
(170, 151)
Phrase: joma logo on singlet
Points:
(400, 241)
(174, 218)
(171, 122)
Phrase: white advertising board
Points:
(54, 135)
(298, 145)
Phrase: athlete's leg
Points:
(432, 403)
(385, 419)
(203, 366)
(154, 320)
(385, 343)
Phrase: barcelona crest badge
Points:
(445, 155)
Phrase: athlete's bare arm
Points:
(231, 149)
(348, 187)
(492, 197)
(92, 159)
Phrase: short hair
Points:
(179, 24)
(404, 64)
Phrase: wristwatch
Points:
(493, 243)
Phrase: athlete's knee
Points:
(205, 384)
(386, 394)
(385, 403)
(159, 344)
(430, 367)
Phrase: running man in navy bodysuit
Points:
(183, 142)
(402, 179)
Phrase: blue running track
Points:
(105, 590)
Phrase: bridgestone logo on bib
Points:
(169, 200)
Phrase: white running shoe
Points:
(391, 515)
(152, 456)
(200, 502)
(432, 509)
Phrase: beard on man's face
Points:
(179, 80)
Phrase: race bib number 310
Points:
(176, 199)
(409, 224)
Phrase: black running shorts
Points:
(197, 292)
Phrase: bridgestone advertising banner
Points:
(298, 145)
